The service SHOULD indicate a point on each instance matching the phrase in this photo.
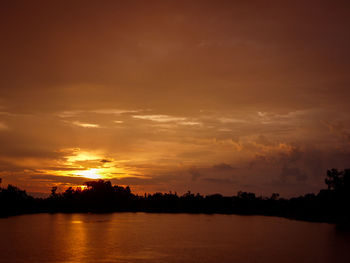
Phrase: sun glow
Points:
(91, 173)
(91, 165)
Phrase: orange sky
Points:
(208, 96)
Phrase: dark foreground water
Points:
(140, 237)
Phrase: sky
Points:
(206, 96)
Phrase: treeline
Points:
(329, 205)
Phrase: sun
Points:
(91, 173)
(91, 165)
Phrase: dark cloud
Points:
(195, 173)
(62, 168)
(105, 161)
(223, 167)
(292, 172)
(220, 180)
(58, 179)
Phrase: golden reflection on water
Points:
(139, 237)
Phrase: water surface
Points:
(141, 237)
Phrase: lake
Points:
(142, 237)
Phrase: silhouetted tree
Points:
(53, 192)
(329, 205)
(274, 196)
(335, 179)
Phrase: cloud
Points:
(105, 161)
(85, 125)
(195, 173)
(263, 99)
(223, 167)
(3, 126)
(69, 114)
(340, 129)
(58, 179)
(61, 168)
(224, 181)
(159, 118)
(232, 42)
(74, 113)
(288, 171)
(167, 121)
(189, 123)
(159, 151)
(231, 120)
(114, 111)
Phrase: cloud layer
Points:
(193, 95)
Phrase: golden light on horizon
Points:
(88, 164)
(92, 165)
(91, 173)
(79, 155)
